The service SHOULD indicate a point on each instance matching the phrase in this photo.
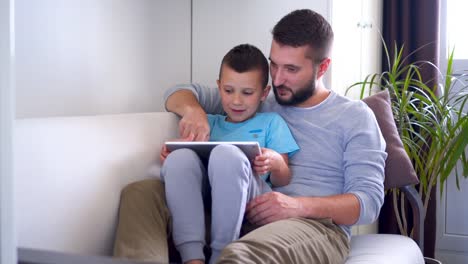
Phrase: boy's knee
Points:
(181, 155)
(226, 161)
(227, 154)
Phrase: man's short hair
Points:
(305, 27)
(246, 57)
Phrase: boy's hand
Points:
(164, 153)
(275, 163)
(263, 163)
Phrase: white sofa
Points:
(69, 172)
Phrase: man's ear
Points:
(323, 67)
(265, 93)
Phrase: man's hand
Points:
(194, 126)
(272, 206)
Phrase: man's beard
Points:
(300, 96)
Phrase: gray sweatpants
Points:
(187, 184)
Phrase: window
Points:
(456, 28)
(453, 34)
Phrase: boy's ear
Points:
(266, 91)
(219, 84)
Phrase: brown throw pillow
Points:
(399, 170)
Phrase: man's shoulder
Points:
(351, 106)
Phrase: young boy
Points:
(230, 178)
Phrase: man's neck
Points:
(321, 93)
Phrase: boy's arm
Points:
(275, 163)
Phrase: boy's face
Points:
(241, 93)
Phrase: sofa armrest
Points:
(418, 214)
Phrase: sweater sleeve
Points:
(208, 97)
(364, 162)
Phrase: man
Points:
(337, 176)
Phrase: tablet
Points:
(203, 148)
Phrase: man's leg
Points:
(232, 186)
(143, 221)
(185, 181)
(295, 240)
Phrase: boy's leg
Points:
(232, 186)
(185, 179)
(295, 240)
(142, 223)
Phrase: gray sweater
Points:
(341, 148)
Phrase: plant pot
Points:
(431, 261)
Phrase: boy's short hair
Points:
(246, 57)
(305, 27)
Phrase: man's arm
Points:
(193, 125)
(192, 102)
(182, 102)
(343, 209)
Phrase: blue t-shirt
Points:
(268, 129)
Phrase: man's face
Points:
(241, 93)
(293, 74)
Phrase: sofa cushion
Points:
(399, 170)
(374, 248)
(69, 172)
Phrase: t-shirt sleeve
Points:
(279, 137)
(208, 97)
(364, 162)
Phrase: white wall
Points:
(220, 25)
(118, 56)
(99, 56)
(357, 45)
(7, 226)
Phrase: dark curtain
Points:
(414, 24)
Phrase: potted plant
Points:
(430, 122)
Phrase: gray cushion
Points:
(399, 170)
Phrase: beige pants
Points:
(144, 224)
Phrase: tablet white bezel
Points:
(203, 148)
